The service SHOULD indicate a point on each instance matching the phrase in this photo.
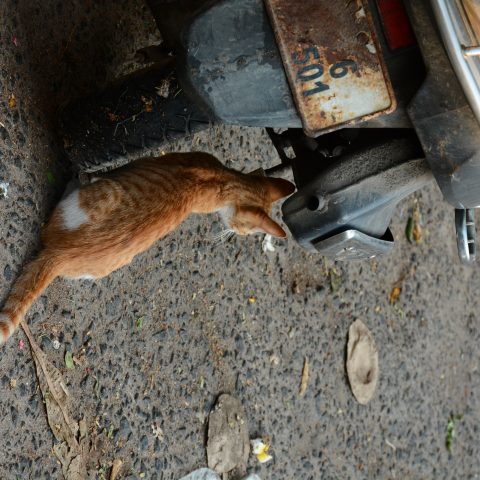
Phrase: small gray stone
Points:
(124, 429)
(144, 443)
(228, 444)
(7, 273)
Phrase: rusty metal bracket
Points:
(333, 62)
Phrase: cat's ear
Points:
(273, 228)
(259, 222)
(279, 188)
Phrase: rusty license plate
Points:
(333, 61)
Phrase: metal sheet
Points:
(354, 245)
(333, 62)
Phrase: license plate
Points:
(332, 60)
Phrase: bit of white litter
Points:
(201, 417)
(260, 449)
(371, 47)
(274, 359)
(359, 14)
(202, 474)
(56, 344)
(4, 189)
(267, 244)
(207, 474)
(157, 431)
(163, 90)
(391, 445)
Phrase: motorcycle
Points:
(366, 102)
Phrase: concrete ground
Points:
(225, 318)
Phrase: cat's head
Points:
(250, 213)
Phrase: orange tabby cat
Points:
(100, 227)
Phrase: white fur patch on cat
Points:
(87, 277)
(226, 213)
(73, 215)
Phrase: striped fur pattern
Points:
(100, 227)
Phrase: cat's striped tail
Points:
(35, 278)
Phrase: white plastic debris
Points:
(4, 189)
(371, 47)
(359, 14)
(202, 474)
(163, 90)
(267, 244)
(274, 359)
(157, 431)
(207, 474)
(260, 450)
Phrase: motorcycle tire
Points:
(143, 111)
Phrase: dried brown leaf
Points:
(112, 117)
(70, 452)
(147, 104)
(76, 469)
(12, 101)
(305, 377)
(417, 233)
(335, 278)
(394, 295)
(73, 465)
(362, 362)
(116, 467)
(51, 381)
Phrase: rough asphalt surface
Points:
(225, 318)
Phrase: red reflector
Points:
(396, 25)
